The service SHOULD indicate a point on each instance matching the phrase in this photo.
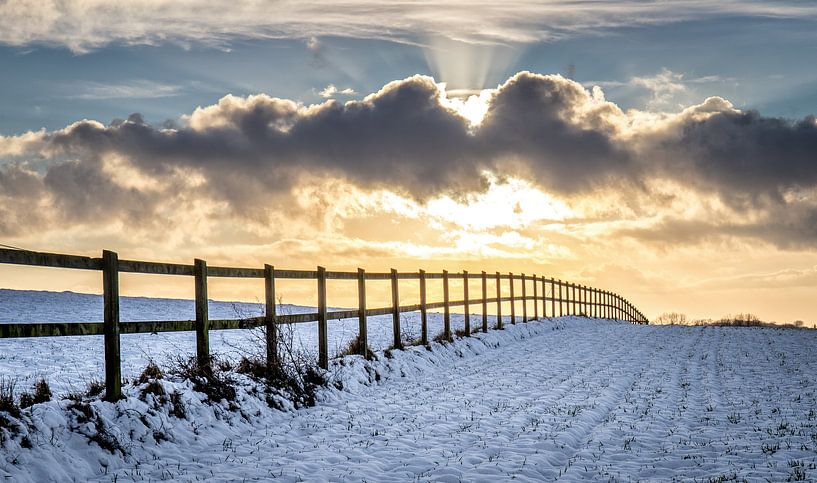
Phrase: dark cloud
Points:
(531, 119)
(746, 157)
(788, 226)
(249, 152)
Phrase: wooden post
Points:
(552, 298)
(573, 288)
(561, 310)
(423, 309)
(395, 314)
(535, 299)
(577, 299)
(498, 301)
(595, 302)
(466, 308)
(513, 300)
(363, 328)
(323, 327)
(484, 301)
(583, 298)
(269, 318)
(567, 298)
(202, 314)
(446, 308)
(110, 290)
(524, 301)
(544, 298)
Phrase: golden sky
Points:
(677, 211)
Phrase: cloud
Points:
(331, 91)
(667, 90)
(247, 155)
(83, 25)
(140, 89)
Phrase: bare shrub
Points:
(41, 392)
(8, 401)
(150, 373)
(210, 379)
(293, 374)
(671, 318)
(355, 347)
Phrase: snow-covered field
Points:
(69, 363)
(567, 398)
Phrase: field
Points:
(566, 398)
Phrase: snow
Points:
(69, 363)
(567, 398)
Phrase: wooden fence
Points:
(566, 299)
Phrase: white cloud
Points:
(83, 25)
(140, 89)
(331, 90)
(668, 90)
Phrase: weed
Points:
(7, 399)
(177, 405)
(355, 347)
(209, 379)
(95, 388)
(150, 373)
(41, 393)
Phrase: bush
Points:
(209, 379)
(7, 400)
(41, 393)
(95, 388)
(355, 347)
(151, 372)
(441, 337)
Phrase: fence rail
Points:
(574, 300)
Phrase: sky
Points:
(663, 150)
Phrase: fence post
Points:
(395, 314)
(202, 314)
(513, 300)
(110, 290)
(269, 318)
(535, 299)
(498, 301)
(446, 308)
(423, 309)
(561, 310)
(363, 329)
(484, 301)
(466, 308)
(323, 328)
(567, 298)
(585, 312)
(573, 288)
(552, 298)
(524, 301)
(610, 305)
(595, 303)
